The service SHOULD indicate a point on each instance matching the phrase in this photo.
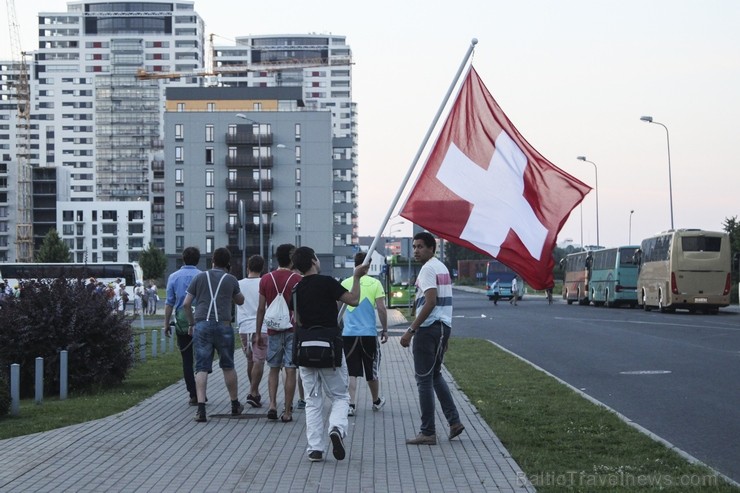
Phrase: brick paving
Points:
(156, 446)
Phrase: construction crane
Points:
(24, 213)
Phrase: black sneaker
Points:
(200, 417)
(237, 409)
(193, 401)
(337, 443)
(315, 456)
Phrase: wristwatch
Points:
(411, 331)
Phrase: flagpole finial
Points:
(474, 41)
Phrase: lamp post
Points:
(274, 215)
(649, 119)
(259, 181)
(629, 241)
(596, 172)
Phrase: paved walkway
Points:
(156, 446)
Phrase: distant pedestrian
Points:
(153, 298)
(316, 299)
(514, 292)
(360, 337)
(177, 289)
(215, 292)
(496, 289)
(430, 331)
(246, 321)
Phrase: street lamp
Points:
(274, 215)
(259, 182)
(629, 241)
(596, 172)
(649, 119)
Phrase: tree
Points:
(53, 249)
(153, 262)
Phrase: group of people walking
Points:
(199, 307)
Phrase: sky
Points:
(574, 77)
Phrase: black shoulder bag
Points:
(316, 346)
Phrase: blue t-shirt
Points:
(360, 320)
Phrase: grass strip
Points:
(562, 441)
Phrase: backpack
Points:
(277, 315)
(124, 296)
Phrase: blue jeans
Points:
(210, 335)
(430, 343)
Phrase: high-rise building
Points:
(321, 65)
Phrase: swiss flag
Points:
(486, 188)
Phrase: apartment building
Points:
(258, 146)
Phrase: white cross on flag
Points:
(486, 188)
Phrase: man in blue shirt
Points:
(177, 288)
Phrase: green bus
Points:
(399, 281)
(613, 276)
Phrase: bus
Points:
(400, 280)
(576, 268)
(685, 268)
(497, 270)
(613, 277)
(105, 272)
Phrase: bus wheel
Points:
(644, 303)
(607, 303)
(567, 297)
(661, 303)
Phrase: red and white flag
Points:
(486, 188)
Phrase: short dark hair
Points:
(360, 258)
(428, 239)
(283, 253)
(191, 255)
(221, 257)
(255, 263)
(303, 259)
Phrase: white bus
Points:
(685, 268)
(105, 272)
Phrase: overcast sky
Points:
(573, 76)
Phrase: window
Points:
(179, 221)
(232, 129)
(135, 215)
(179, 243)
(209, 244)
(297, 220)
(297, 131)
(209, 178)
(179, 179)
(180, 106)
(67, 215)
(179, 131)
(68, 229)
(136, 229)
(179, 154)
(209, 133)
(135, 243)
(297, 154)
(211, 107)
(232, 152)
(110, 229)
(298, 176)
(179, 199)
(257, 106)
(109, 215)
(210, 223)
(80, 229)
(209, 200)
(209, 155)
(110, 242)
(297, 198)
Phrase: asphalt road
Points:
(677, 375)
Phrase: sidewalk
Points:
(156, 446)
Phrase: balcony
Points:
(157, 165)
(251, 205)
(248, 161)
(248, 184)
(233, 229)
(249, 138)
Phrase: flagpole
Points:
(423, 145)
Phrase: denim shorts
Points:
(209, 336)
(280, 349)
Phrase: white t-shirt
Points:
(246, 314)
(434, 274)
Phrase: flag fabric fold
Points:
(486, 188)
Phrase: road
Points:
(676, 375)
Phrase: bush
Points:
(53, 315)
(4, 392)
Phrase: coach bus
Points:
(400, 280)
(613, 276)
(685, 268)
(496, 270)
(105, 272)
(576, 269)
